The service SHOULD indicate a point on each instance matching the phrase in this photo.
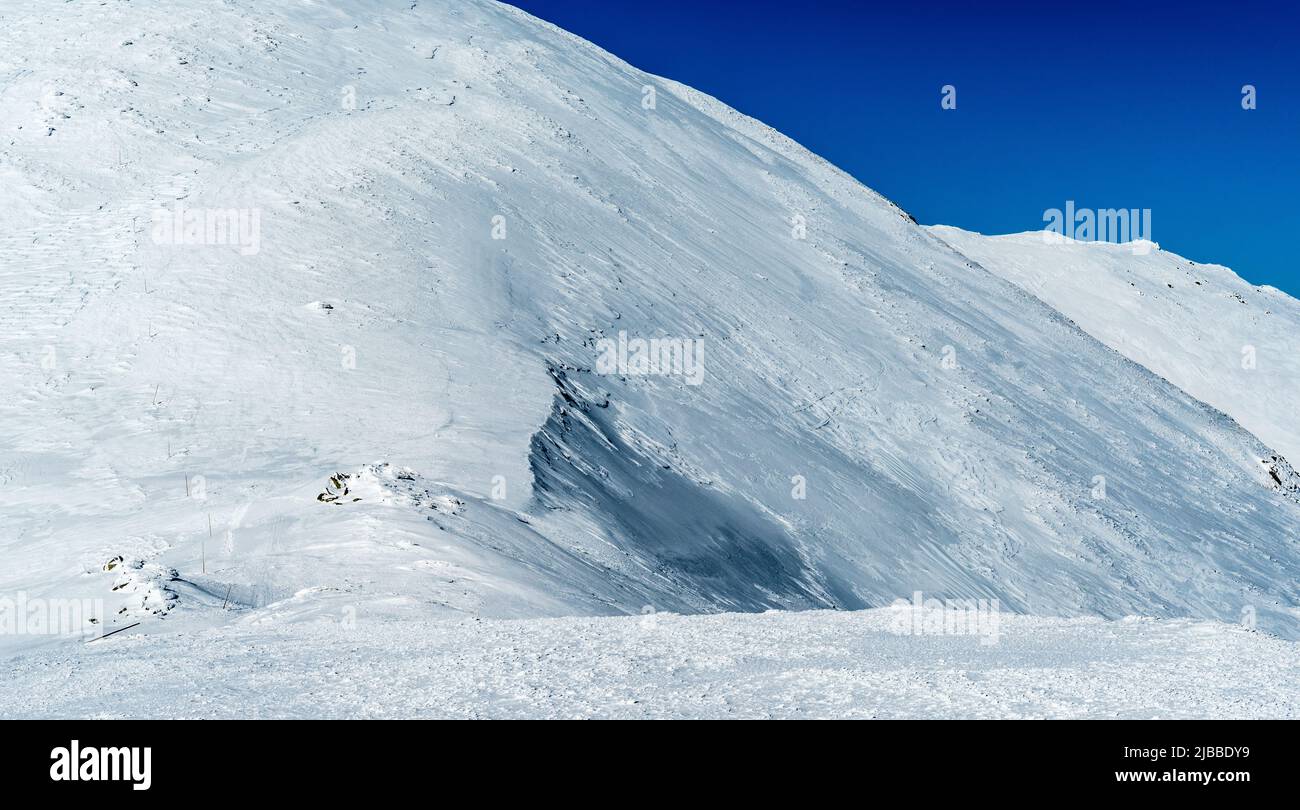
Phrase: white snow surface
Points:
(384, 412)
(779, 664)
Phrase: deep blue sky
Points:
(1130, 106)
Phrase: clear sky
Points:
(1131, 105)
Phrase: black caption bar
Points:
(303, 759)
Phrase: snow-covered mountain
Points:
(404, 380)
(1227, 342)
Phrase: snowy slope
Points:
(805, 664)
(947, 429)
(1226, 342)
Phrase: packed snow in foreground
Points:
(861, 664)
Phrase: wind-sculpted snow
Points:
(458, 210)
(713, 547)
